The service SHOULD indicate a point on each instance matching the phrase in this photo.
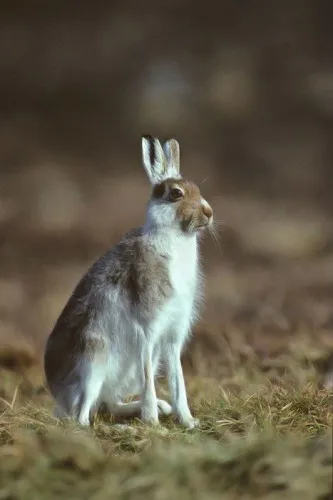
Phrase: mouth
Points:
(197, 228)
(202, 226)
(205, 225)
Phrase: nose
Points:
(208, 212)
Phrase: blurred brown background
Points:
(246, 87)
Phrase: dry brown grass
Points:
(262, 435)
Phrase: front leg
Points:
(177, 386)
(149, 404)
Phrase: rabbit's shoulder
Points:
(135, 268)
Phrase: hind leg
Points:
(134, 408)
(90, 392)
(67, 398)
(163, 407)
(59, 412)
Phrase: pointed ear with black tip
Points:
(154, 160)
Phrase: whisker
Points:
(191, 225)
(213, 231)
(204, 180)
(219, 222)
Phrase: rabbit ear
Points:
(172, 154)
(154, 160)
(160, 163)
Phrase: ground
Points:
(266, 432)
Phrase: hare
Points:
(133, 310)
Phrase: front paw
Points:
(186, 420)
(149, 417)
(190, 423)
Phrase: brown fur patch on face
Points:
(158, 191)
(162, 189)
(189, 211)
(191, 190)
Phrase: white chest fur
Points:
(182, 252)
(183, 267)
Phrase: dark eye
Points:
(176, 194)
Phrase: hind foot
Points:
(59, 413)
(163, 407)
(133, 409)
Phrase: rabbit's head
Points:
(175, 202)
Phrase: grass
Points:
(261, 436)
